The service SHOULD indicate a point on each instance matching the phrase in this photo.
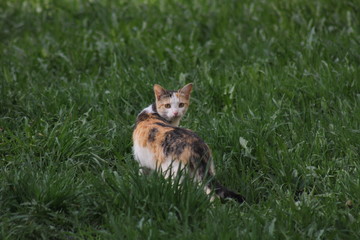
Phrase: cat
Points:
(160, 144)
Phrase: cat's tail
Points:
(223, 193)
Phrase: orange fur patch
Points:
(141, 136)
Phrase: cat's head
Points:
(172, 105)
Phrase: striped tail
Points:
(225, 193)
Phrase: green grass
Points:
(276, 96)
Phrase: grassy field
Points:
(276, 96)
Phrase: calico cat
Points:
(159, 144)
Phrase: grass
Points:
(276, 96)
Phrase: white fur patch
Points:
(144, 156)
(171, 167)
(147, 159)
(149, 109)
(174, 101)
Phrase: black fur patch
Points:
(141, 117)
(144, 116)
(180, 148)
(162, 124)
(153, 106)
(200, 148)
(169, 142)
(178, 139)
(185, 132)
(225, 193)
(168, 94)
(157, 116)
(152, 134)
(200, 165)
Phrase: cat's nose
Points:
(176, 113)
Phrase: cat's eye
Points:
(181, 105)
(167, 105)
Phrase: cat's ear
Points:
(186, 90)
(159, 91)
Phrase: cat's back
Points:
(157, 140)
(149, 128)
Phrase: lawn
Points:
(276, 96)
